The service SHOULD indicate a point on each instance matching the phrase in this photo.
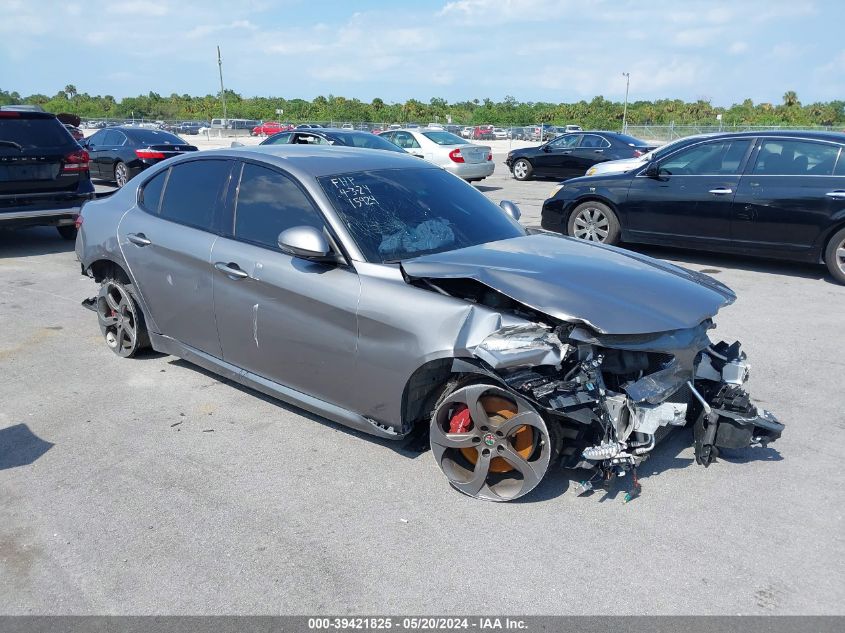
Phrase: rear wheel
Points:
(121, 320)
(68, 231)
(834, 256)
(121, 174)
(489, 443)
(594, 222)
(522, 169)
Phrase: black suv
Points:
(44, 177)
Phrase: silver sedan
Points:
(377, 290)
(464, 159)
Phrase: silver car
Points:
(383, 293)
(464, 159)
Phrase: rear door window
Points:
(594, 141)
(779, 157)
(267, 204)
(193, 192)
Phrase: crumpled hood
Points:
(612, 290)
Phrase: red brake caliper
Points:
(460, 420)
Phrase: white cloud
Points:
(139, 8)
(738, 47)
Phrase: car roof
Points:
(319, 160)
(25, 114)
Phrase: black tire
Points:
(68, 231)
(514, 462)
(595, 222)
(121, 319)
(121, 173)
(834, 256)
(522, 169)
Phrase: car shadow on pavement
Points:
(486, 188)
(39, 240)
(713, 263)
(19, 446)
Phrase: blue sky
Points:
(534, 50)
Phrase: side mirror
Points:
(236, 144)
(511, 209)
(653, 170)
(546, 148)
(304, 241)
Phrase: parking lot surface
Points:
(149, 486)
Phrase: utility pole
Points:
(625, 110)
(222, 89)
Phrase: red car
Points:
(483, 133)
(270, 127)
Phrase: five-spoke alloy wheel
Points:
(522, 169)
(121, 321)
(121, 174)
(489, 443)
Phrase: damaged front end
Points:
(617, 396)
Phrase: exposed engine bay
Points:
(615, 396)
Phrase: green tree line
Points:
(599, 113)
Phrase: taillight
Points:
(148, 153)
(638, 153)
(490, 155)
(77, 222)
(76, 161)
(456, 156)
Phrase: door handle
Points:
(138, 239)
(566, 151)
(231, 269)
(599, 151)
(721, 191)
(839, 194)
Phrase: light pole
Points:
(625, 109)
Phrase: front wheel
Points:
(594, 222)
(834, 256)
(121, 320)
(121, 174)
(490, 443)
(522, 169)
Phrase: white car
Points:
(500, 133)
(466, 132)
(466, 160)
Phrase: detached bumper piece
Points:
(732, 422)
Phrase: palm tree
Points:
(70, 91)
(790, 98)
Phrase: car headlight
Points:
(522, 345)
(591, 171)
(555, 190)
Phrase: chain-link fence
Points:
(666, 133)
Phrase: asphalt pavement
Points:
(150, 486)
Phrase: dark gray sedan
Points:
(386, 294)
